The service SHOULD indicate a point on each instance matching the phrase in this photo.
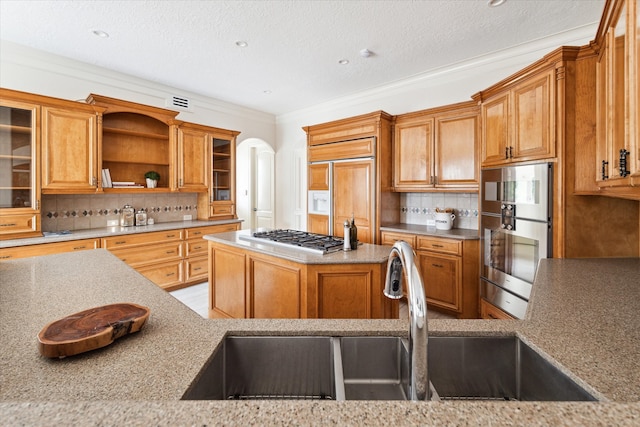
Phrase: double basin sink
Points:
(377, 368)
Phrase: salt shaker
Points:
(347, 236)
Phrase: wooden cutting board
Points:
(91, 329)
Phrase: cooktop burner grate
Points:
(313, 242)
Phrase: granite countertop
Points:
(365, 254)
(454, 233)
(138, 380)
(94, 233)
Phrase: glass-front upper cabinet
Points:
(222, 169)
(19, 177)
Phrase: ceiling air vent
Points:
(179, 102)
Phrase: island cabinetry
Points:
(137, 139)
(48, 249)
(450, 271)
(19, 167)
(519, 119)
(437, 149)
(156, 255)
(247, 284)
(617, 163)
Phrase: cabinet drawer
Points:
(18, 224)
(195, 247)
(445, 246)
(389, 238)
(221, 210)
(490, 311)
(144, 255)
(164, 275)
(132, 240)
(197, 269)
(48, 249)
(198, 232)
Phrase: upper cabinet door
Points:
(19, 170)
(534, 118)
(319, 176)
(495, 130)
(193, 165)
(69, 151)
(413, 154)
(456, 151)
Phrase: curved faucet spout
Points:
(402, 255)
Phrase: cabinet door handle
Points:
(170, 274)
(604, 170)
(437, 265)
(510, 152)
(121, 242)
(170, 236)
(77, 248)
(506, 152)
(8, 225)
(171, 252)
(437, 246)
(197, 269)
(197, 247)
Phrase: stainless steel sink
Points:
(377, 368)
(269, 367)
(496, 368)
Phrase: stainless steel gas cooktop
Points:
(301, 240)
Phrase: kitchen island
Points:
(583, 314)
(259, 279)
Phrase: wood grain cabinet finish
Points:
(437, 149)
(48, 249)
(69, 150)
(193, 155)
(450, 271)
(490, 311)
(20, 166)
(363, 187)
(247, 284)
(518, 123)
(617, 165)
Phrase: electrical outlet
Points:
(112, 223)
(187, 217)
(431, 223)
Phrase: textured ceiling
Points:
(294, 46)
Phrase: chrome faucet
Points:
(402, 255)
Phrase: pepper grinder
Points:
(353, 234)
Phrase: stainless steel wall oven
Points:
(516, 232)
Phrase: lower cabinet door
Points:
(273, 289)
(196, 269)
(442, 276)
(227, 276)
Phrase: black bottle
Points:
(353, 235)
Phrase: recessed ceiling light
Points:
(365, 53)
(495, 3)
(242, 43)
(100, 33)
(343, 61)
(266, 92)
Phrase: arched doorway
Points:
(255, 178)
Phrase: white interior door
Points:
(263, 204)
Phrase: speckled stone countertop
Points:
(584, 315)
(94, 233)
(365, 254)
(454, 233)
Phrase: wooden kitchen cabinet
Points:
(450, 271)
(247, 284)
(490, 311)
(219, 201)
(193, 158)
(196, 267)
(136, 139)
(359, 152)
(48, 249)
(518, 121)
(318, 176)
(617, 163)
(19, 167)
(437, 149)
(70, 149)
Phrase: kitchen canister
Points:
(444, 220)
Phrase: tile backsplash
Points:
(416, 208)
(77, 212)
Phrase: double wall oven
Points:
(516, 232)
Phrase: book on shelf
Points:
(106, 179)
(124, 183)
